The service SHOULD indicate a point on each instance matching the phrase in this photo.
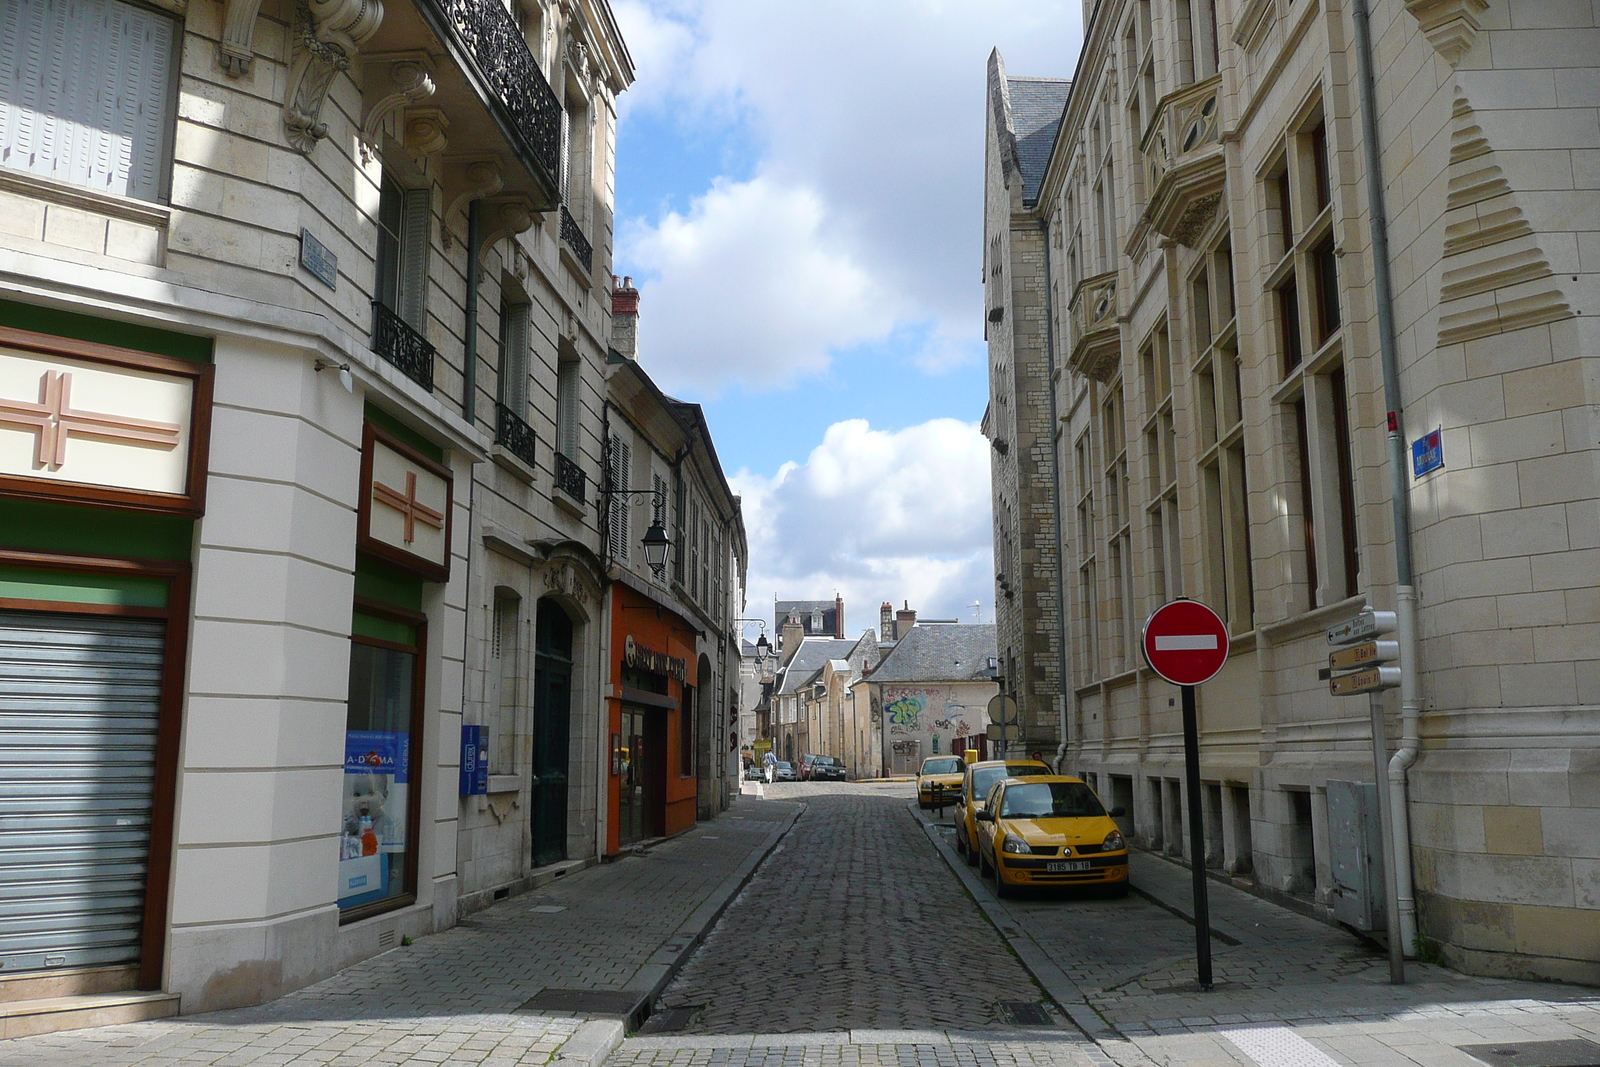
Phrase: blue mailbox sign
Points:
(1427, 453)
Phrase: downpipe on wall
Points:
(1068, 696)
(1399, 489)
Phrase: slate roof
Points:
(811, 655)
(941, 653)
(1036, 107)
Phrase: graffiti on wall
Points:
(904, 710)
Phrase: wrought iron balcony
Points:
(1096, 338)
(512, 433)
(1184, 170)
(571, 480)
(395, 340)
(490, 47)
(575, 240)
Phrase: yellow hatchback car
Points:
(980, 778)
(943, 771)
(1050, 831)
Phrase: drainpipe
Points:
(1069, 698)
(469, 372)
(1399, 490)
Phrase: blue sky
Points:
(799, 202)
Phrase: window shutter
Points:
(86, 93)
(417, 214)
(658, 510)
(677, 526)
(514, 359)
(567, 409)
(621, 465)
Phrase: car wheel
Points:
(961, 844)
(1001, 889)
(972, 855)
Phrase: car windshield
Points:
(831, 761)
(1050, 800)
(786, 766)
(942, 766)
(983, 778)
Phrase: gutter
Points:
(1399, 498)
(1069, 696)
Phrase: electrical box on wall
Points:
(1355, 853)
(474, 761)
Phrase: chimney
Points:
(886, 622)
(904, 620)
(793, 634)
(838, 615)
(625, 317)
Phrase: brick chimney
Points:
(838, 615)
(904, 620)
(625, 317)
(886, 622)
(793, 634)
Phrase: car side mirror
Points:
(1117, 813)
(986, 816)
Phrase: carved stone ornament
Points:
(578, 58)
(505, 216)
(424, 132)
(327, 35)
(236, 51)
(410, 80)
(468, 178)
(566, 578)
(1449, 25)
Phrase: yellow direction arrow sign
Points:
(1364, 655)
(1367, 681)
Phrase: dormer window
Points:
(816, 621)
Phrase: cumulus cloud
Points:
(750, 287)
(869, 114)
(876, 516)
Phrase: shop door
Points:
(80, 700)
(552, 733)
(630, 815)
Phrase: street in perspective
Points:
(857, 533)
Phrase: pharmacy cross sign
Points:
(55, 419)
(407, 504)
(1185, 642)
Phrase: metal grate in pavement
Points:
(670, 1020)
(1023, 1013)
(1574, 1053)
(629, 1006)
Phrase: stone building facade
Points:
(305, 318)
(1216, 304)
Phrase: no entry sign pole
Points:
(1186, 643)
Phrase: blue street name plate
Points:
(1427, 453)
(317, 258)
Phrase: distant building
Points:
(931, 692)
(817, 618)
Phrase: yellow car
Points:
(1049, 831)
(975, 786)
(945, 771)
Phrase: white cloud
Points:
(872, 111)
(876, 516)
(750, 286)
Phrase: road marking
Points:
(1278, 1046)
(1185, 642)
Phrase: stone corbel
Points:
(505, 216)
(410, 80)
(424, 132)
(1449, 25)
(327, 35)
(236, 51)
(467, 178)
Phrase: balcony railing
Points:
(524, 102)
(573, 236)
(513, 434)
(395, 340)
(1096, 338)
(571, 480)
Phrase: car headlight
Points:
(1017, 845)
(1113, 842)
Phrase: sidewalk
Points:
(462, 996)
(1288, 989)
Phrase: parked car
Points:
(826, 769)
(1050, 830)
(783, 771)
(943, 771)
(752, 773)
(975, 786)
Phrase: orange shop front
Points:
(652, 781)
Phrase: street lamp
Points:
(655, 544)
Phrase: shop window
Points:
(88, 94)
(377, 845)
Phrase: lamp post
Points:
(655, 542)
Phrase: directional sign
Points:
(1185, 642)
(1368, 681)
(1002, 731)
(1367, 625)
(1367, 654)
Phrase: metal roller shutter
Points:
(80, 699)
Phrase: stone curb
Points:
(1061, 989)
(590, 1044)
(665, 963)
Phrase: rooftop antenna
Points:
(977, 610)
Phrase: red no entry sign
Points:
(1185, 642)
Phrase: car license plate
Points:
(1068, 866)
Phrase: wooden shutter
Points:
(567, 408)
(514, 358)
(621, 466)
(416, 216)
(86, 93)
